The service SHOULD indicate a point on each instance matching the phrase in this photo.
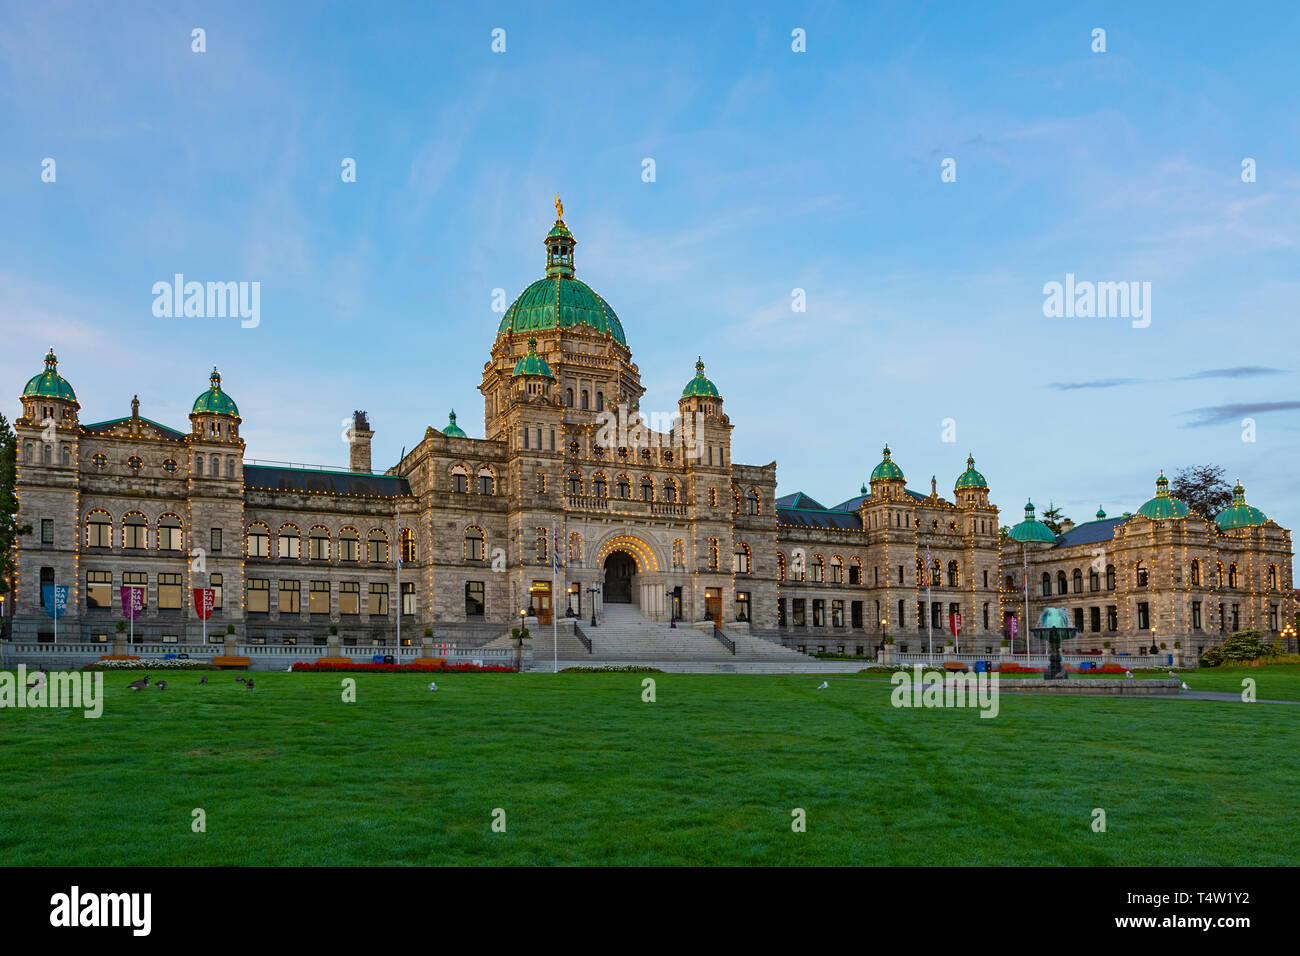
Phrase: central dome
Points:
(560, 301)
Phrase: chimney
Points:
(359, 436)
(1066, 525)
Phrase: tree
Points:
(9, 527)
(1053, 518)
(1204, 488)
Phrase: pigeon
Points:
(161, 685)
(140, 684)
(432, 685)
(248, 684)
(823, 686)
(203, 679)
(1128, 674)
(1185, 687)
(1173, 675)
(289, 669)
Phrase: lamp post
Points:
(593, 591)
(672, 611)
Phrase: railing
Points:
(727, 642)
(588, 503)
(670, 509)
(586, 641)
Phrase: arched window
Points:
(99, 530)
(742, 563)
(486, 481)
(670, 490)
(780, 566)
(735, 500)
(406, 546)
(600, 401)
(459, 480)
(214, 466)
(575, 483)
(67, 455)
(135, 531)
(258, 540)
(920, 573)
(1061, 586)
(230, 467)
(1196, 572)
(349, 544)
(798, 565)
(754, 502)
(855, 571)
(568, 397)
(599, 486)
(936, 573)
(1218, 575)
(1047, 584)
(575, 548)
(377, 546)
(584, 399)
(1143, 575)
(288, 542)
(647, 489)
(198, 466)
(1272, 577)
(1078, 581)
(837, 569)
(473, 543)
(1232, 575)
(818, 569)
(27, 452)
(318, 544)
(679, 553)
(954, 575)
(1094, 580)
(624, 487)
(1110, 577)
(169, 533)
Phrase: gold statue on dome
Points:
(559, 207)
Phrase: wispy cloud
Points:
(1239, 371)
(1096, 383)
(1222, 414)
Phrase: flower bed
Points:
(611, 669)
(149, 664)
(430, 666)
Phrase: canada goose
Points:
(203, 679)
(248, 684)
(240, 680)
(140, 684)
(161, 685)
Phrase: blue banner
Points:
(56, 600)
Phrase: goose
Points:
(203, 679)
(248, 684)
(241, 680)
(140, 684)
(161, 685)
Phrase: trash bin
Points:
(169, 657)
(1169, 659)
(389, 659)
(981, 667)
(377, 659)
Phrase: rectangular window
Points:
(408, 598)
(214, 582)
(1094, 620)
(133, 536)
(855, 574)
(259, 544)
(742, 605)
(1196, 615)
(318, 548)
(169, 538)
(1236, 617)
(319, 597)
(474, 599)
(349, 549)
(349, 597)
(290, 597)
(99, 589)
(47, 531)
(1112, 618)
(1272, 617)
(837, 573)
(1078, 619)
(259, 596)
(541, 483)
(290, 546)
(1144, 615)
(797, 612)
(525, 437)
(837, 614)
(819, 613)
(378, 599)
(780, 612)
(855, 613)
(99, 534)
(214, 541)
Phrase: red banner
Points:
(954, 623)
(203, 598)
(132, 601)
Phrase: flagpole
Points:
(399, 580)
(555, 584)
(1025, 575)
(929, 611)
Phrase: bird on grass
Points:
(1185, 687)
(824, 685)
(248, 684)
(203, 679)
(140, 684)
(1128, 674)
(1174, 675)
(433, 685)
(161, 685)
(39, 681)
(241, 680)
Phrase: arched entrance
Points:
(619, 570)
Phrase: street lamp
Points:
(593, 591)
(672, 611)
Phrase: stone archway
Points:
(620, 568)
(629, 566)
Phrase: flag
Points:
(203, 601)
(954, 623)
(555, 547)
(56, 600)
(132, 601)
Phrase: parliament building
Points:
(571, 483)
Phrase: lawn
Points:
(587, 773)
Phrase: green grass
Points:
(589, 774)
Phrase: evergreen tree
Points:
(1053, 518)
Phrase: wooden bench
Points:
(954, 666)
(332, 660)
(120, 657)
(231, 661)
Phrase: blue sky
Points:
(775, 170)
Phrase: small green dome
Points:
(214, 401)
(532, 363)
(970, 478)
(50, 384)
(453, 430)
(1100, 513)
(1031, 529)
(887, 470)
(699, 386)
(1164, 505)
(1239, 514)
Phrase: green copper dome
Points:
(532, 363)
(1164, 505)
(214, 401)
(887, 470)
(560, 301)
(453, 430)
(970, 478)
(50, 384)
(699, 386)
(1101, 513)
(1239, 514)
(1031, 529)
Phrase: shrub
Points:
(1239, 648)
(612, 669)
(151, 664)
(433, 665)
